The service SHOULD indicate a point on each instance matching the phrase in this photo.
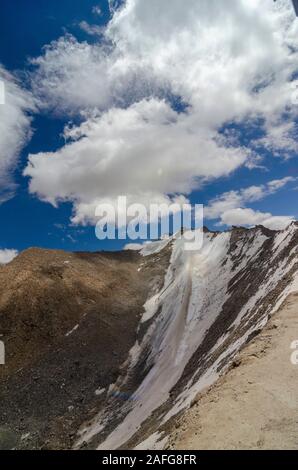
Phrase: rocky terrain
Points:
(68, 321)
(108, 350)
(253, 406)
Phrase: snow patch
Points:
(72, 330)
(153, 442)
(196, 287)
(152, 248)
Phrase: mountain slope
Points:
(254, 405)
(212, 303)
(118, 345)
(68, 321)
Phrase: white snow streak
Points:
(194, 292)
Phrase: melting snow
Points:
(153, 442)
(152, 248)
(194, 292)
(72, 330)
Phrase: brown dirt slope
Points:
(47, 387)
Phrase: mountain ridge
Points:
(116, 345)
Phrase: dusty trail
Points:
(255, 406)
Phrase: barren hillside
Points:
(108, 350)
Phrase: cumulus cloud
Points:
(142, 152)
(233, 199)
(277, 222)
(230, 208)
(280, 139)
(6, 256)
(250, 217)
(14, 129)
(226, 59)
(91, 29)
(221, 62)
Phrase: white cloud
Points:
(249, 217)
(6, 256)
(91, 29)
(96, 10)
(233, 199)
(240, 216)
(230, 58)
(227, 61)
(230, 208)
(277, 222)
(280, 139)
(14, 129)
(275, 185)
(143, 152)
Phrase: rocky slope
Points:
(118, 345)
(254, 405)
(68, 321)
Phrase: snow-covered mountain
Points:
(112, 348)
(210, 304)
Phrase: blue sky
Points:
(210, 150)
(26, 26)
